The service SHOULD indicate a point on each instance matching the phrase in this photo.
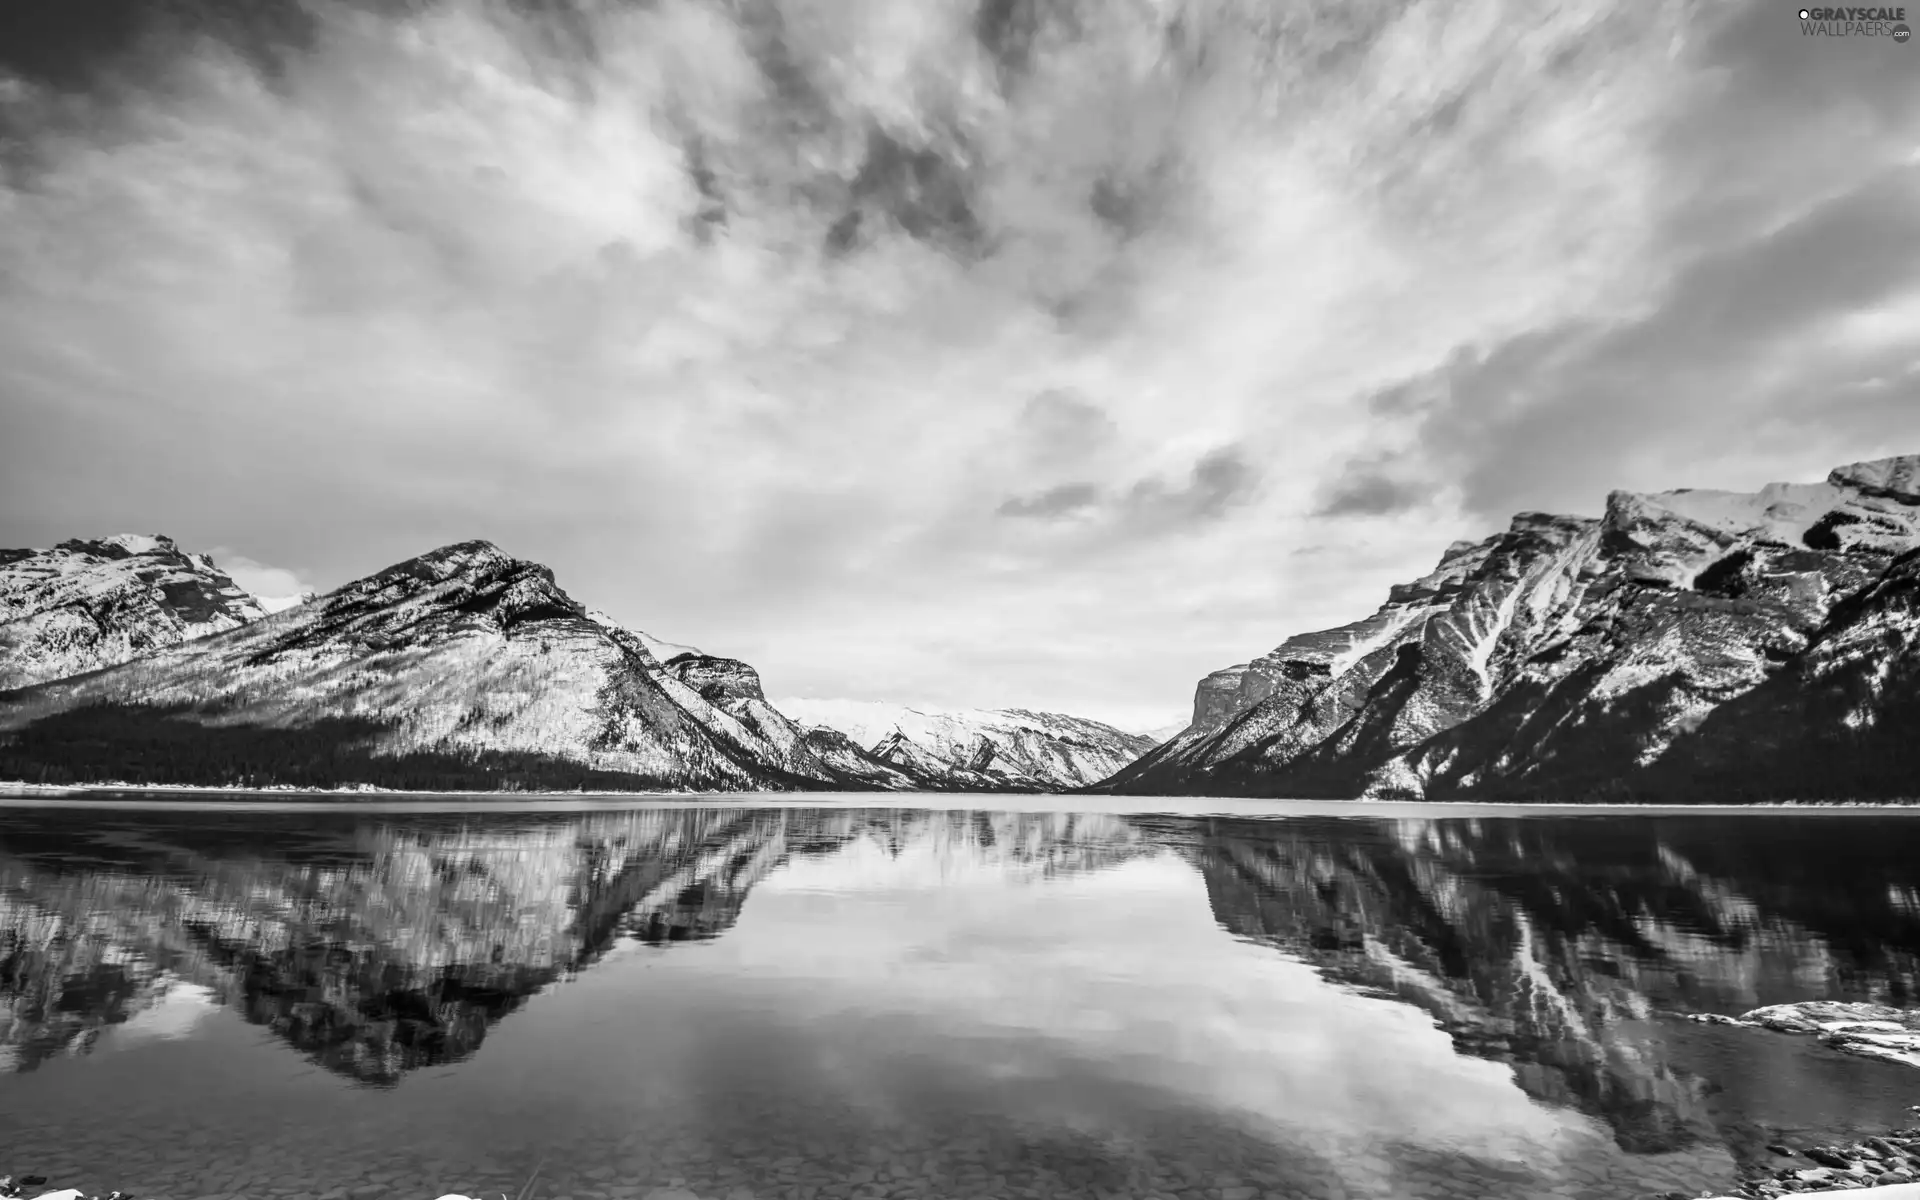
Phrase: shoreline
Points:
(93, 795)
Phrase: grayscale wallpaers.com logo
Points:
(1855, 22)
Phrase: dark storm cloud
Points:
(1777, 114)
(81, 45)
(1743, 344)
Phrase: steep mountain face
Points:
(727, 694)
(84, 605)
(461, 668)
(1638, 655)
(978, 749)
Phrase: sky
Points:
(949, 352)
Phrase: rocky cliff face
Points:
(84, 605)
(732, 697)
(1008, 750)
(458, 669)
(1629, 656)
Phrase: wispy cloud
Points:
(779, 326)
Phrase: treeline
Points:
(146, 746)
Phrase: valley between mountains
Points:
(1685, 646)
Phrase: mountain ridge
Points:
(1008, 749)
(458, 667)
(85, 604)
(1581, 658)
(465, 668)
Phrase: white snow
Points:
(1165, 733)
(274, 604)
(138, 543)
(1900, 474)
(868, 722)
(1785, 511)
(1482, 653)
(1780, 510)
(662, 650)
(1059, 749)
(1366, 643)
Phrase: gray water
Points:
(824, 999)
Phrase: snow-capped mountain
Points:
(83, 605)
(461, 668)
(1686, 645)
(978, 749)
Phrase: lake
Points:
(822, 998)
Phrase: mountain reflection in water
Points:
(378, 945)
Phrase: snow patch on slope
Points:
(868, 722)
(662, 650)
(1780, 511)
(1899, 475)
(274, 604)
(139, 543)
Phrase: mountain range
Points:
(1684, 646)
(463, 668)
(985, 749)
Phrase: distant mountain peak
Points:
(1896, 478)
(122, 545)
(458, 558)
(1009, 749)
(87, 604)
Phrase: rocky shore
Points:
(1876, 1164)
(1873, 1163)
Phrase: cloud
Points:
(1053, 502)
(760, 321)
(1370, 492)
(1219, 478)
(269, 583)
(1058, 425)
(1796, 348)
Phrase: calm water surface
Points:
(741, 1001)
